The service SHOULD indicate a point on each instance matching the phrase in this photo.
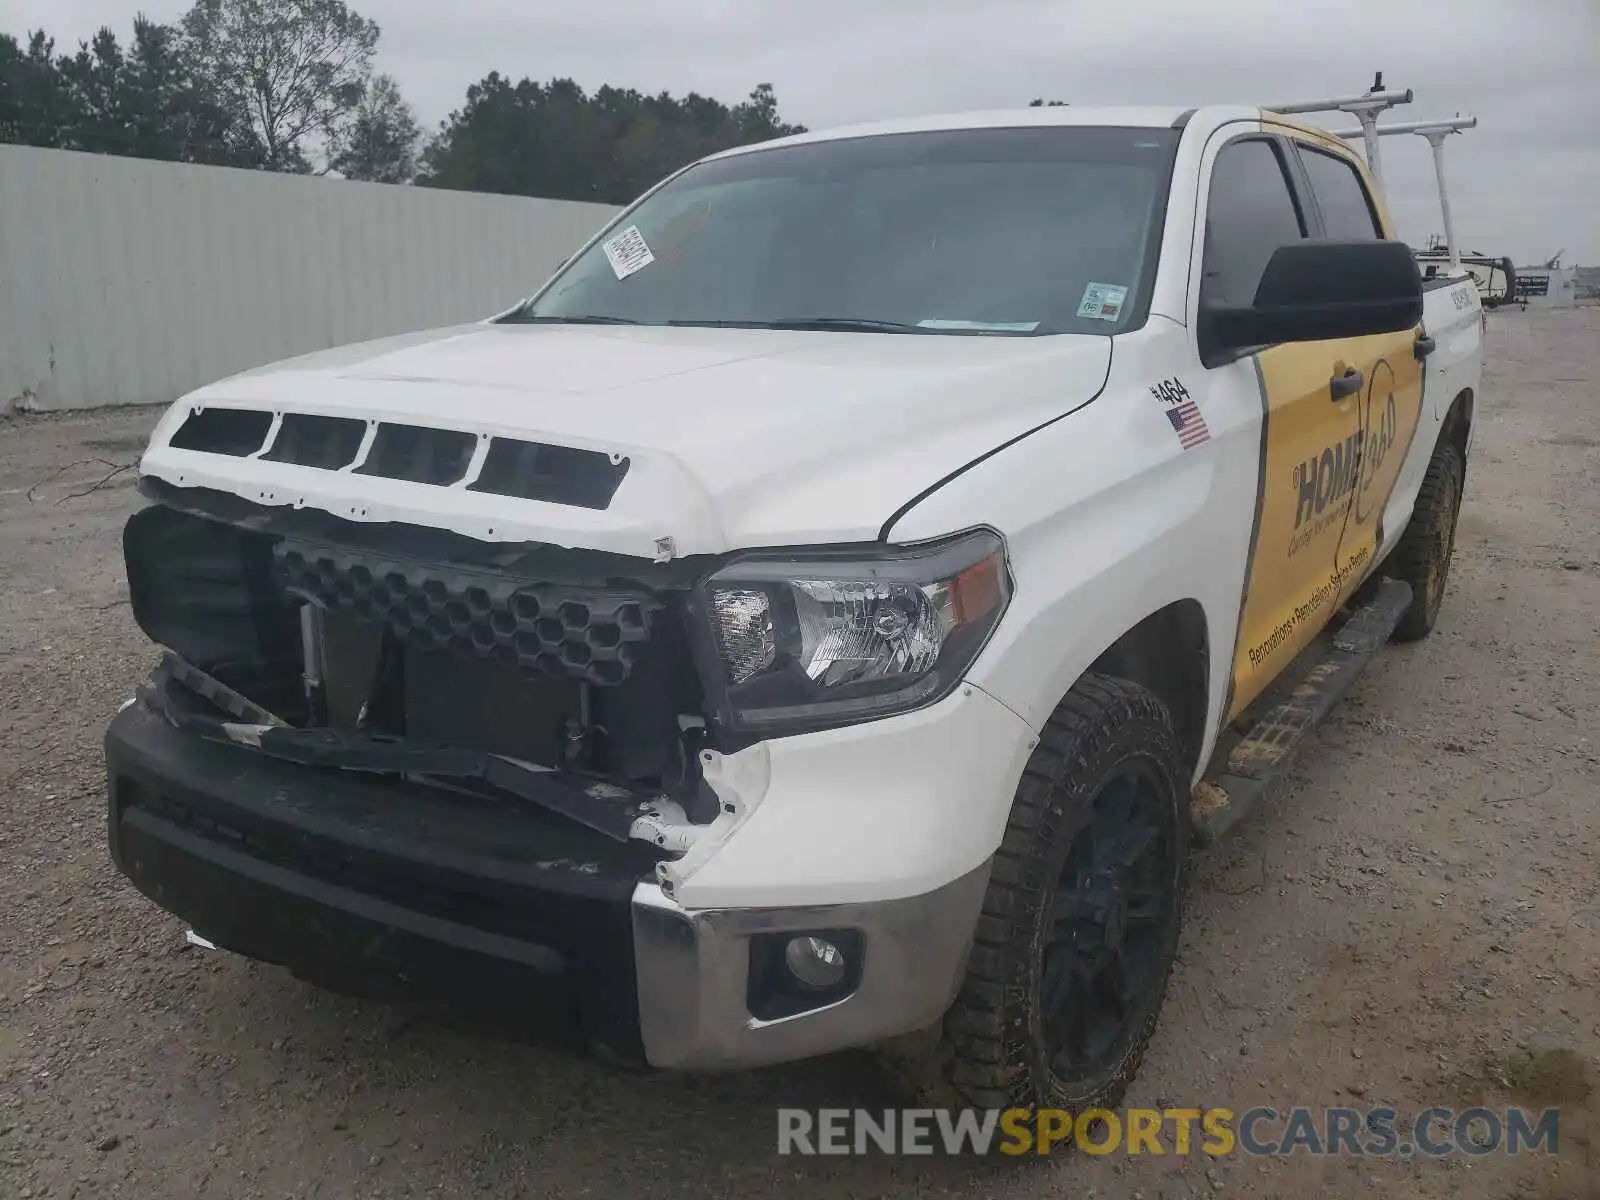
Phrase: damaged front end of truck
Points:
(531, 671)
(561, 676)
(399, 712)
(397, 736)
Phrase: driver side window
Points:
(1251, 211)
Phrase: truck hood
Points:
(729, 438)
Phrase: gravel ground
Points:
(1413, 920)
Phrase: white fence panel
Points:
(125, 281)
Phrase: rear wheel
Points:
(1423, 556)
(1075, 945)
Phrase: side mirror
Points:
(1313, 291)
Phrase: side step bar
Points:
(1235, 791)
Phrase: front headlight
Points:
(837, 638)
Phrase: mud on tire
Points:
(1422, 558)
(1074, 947)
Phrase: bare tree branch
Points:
(57, 474)
(100, 483)
(293, 69)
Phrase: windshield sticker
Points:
(627, 252)
(1102, 301)
(981, 326)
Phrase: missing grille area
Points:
(327, 443)
(557, 474)
(418, 454)
(429, 653)
(235, 432)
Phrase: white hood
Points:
(736, 437)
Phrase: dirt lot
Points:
(1414, 920)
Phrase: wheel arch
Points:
(1169, 653)
(1457, 427)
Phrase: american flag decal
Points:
(1188, 424)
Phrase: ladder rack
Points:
(1366, 109)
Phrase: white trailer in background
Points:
(1496, 277)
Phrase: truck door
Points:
(1310, 428)
(1390, 400)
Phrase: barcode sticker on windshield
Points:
(1102, 301)
(627, 252)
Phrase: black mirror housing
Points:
(1313, 291)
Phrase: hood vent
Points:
(235, 432)
(325, 442)
(556, 474)
(412, 453)
(419, 455)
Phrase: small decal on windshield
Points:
(627, 252)
(1102, 301)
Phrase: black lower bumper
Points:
(367, 882)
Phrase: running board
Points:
(1235, 790)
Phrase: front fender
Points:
(1107, 520)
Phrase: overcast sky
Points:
(1526, 182)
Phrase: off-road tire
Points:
(1422, 557)
(990, 1051)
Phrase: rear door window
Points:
(1348, 214)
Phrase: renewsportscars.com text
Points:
(1259, 1132)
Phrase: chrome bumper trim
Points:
(693, 969)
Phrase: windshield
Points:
(1011, 231)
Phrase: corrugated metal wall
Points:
(124, 281)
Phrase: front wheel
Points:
(1073, 951)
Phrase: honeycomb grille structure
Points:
(563, 631)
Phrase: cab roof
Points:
(1125, 116)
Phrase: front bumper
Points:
(349, 878)
(694, 969)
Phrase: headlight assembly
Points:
(836, 637)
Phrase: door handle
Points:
(1345, 385)
(1423, 346)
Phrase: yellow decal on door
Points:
(1391, 410)
(1322, 486)
(1310, 455)
(1328, 467)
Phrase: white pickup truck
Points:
(830, 609)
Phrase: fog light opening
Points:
(815, 962)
